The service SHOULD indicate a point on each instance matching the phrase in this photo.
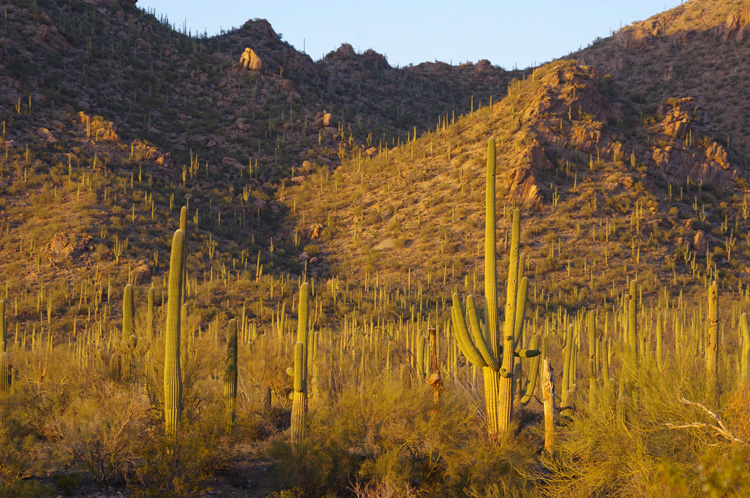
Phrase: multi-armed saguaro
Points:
(497, 359)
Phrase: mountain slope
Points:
(698, 50)
(603, 202)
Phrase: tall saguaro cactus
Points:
(632, 321)
(299, 395)
(150, 315)
(183, 227)
(230, 372)
(745, 353)
(712, 344)
(172, 371)
(497, 358)
(5, 366)
(128, 314)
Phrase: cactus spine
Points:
(299, 396)
(230, 372)
(496, 360)
(172, 371)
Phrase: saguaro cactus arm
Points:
(462, 335)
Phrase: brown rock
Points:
(287, 86)
(141, 273)
(64, 247)
(306, 167)
(315, 230)
(699, 242)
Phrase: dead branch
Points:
(720, 429)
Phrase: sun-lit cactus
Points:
(230, 372)
(712, 341)
(172, 370)
(496, 359)
(299, 372)
(128, 313)
(632, 322)
(6, 372)
(150, 315)
(745, 353)
(3, 328)
(299, 400)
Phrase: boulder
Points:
(699, 242)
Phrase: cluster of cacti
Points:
(498, 358)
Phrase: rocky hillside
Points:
(698, 50)
(349, 166)
(183, 93)
(603, 202)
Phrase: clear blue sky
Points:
(521, 33)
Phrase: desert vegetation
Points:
(342, 278)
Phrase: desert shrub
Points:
(181, 467)
(103, 429)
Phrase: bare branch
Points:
(720, 429)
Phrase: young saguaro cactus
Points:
(172, 371)
(497, 358)
(230, 372)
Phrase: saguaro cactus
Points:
(745, 353)
(3, 329)
(172, 371)
(497, 358)
(230, 372)
(6, 370)
(183, 227)
(299, 400)
(299, 395)
(712, 344)
(6, 375)
(632, 322)
(150, 315)
(128, 313)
